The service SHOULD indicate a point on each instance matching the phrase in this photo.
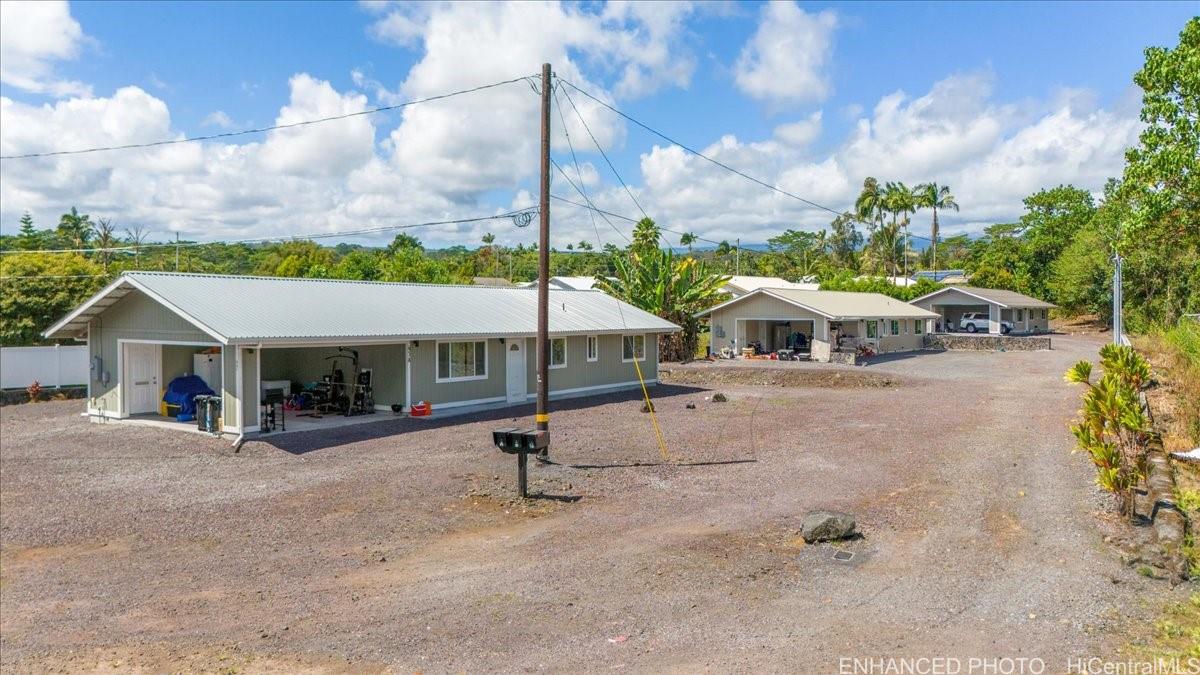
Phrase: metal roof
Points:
(839, 305)
(747, 284)
(993, 296)
(241, 309)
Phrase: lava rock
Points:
(827, 526)
(647, 407)
(719, 398)
(691, 406)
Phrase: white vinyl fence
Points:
(56, 366)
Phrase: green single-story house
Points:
(831, 322)
(448, 345)
(1005, 310)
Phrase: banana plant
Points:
(671, 287)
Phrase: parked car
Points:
(973, 322)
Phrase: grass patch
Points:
(1176, 633)
(1175, 355)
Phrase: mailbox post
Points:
(522, 443)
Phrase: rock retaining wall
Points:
(987, 342)
(847, 358)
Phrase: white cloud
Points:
(401, 23)
(786, 58)
(802, 132)
(991, 154)
(217, 118)
(33, 36)
(328, 149)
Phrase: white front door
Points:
(142, 364)
(514, 367)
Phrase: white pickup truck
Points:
(973, 322)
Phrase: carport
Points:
(775, 334)
(1026, 314)
(342, 369)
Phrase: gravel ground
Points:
(398, 545)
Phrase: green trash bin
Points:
(208, 411)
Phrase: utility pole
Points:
(543, 322)
(1118, 298)
(176, 250)
(737, 256)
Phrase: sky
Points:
(996, 100)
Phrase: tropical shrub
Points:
(1112, 426)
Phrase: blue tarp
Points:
(183, 392)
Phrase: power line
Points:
(704, 156)
(631, 219)
(602, 153)
(516, 215)
(579, 173)
(700, 154)
(259, 130)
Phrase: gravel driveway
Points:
(397, 545)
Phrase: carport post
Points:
(994, 319)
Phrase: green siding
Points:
(425, 386)
(608, 370)
(133, 317)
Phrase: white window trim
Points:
(634, 335)
(566, 358)
(437, 348)
(592, 339)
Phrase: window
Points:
(1020, 315)
(461, 361)
(558, 352)
(895, 327)
(918, 326)
(633, 347)
(593, 348)
(872, 329)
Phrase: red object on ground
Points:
(422, 409)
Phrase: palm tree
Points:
(75, 228)
(646, 235)
(489, 240)
(898, 200)
(687, 239)
(934, 196)
(137, 236)
(106, 238)
(870, 206)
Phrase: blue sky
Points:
(1010, 67)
